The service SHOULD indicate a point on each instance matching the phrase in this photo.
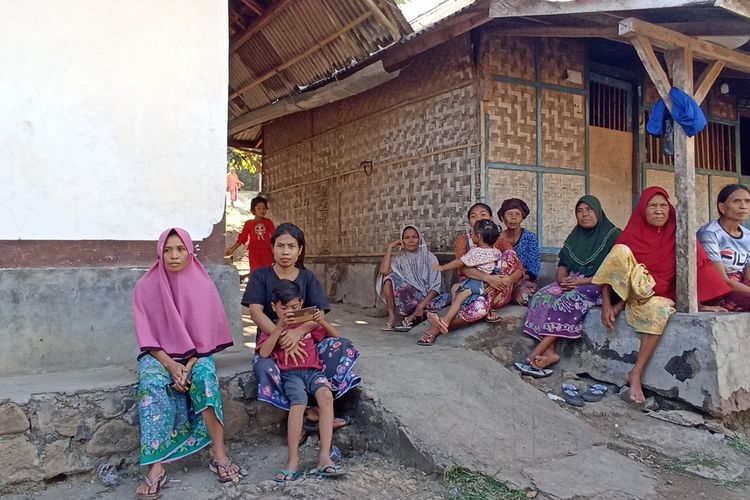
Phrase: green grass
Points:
(464, 484)
(699, 459)
(739, 445)
(732, 484)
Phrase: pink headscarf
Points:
(180, 313)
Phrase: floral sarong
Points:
(407, 297)
(559, 313)
(171, 423)
(338, 356)
(645, 312)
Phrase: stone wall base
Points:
(50, 435)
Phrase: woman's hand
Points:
(500, 283)
(180, 375)
(610, 313)
(294, 351)
(437, 267)
(394, 245)
(291, 337)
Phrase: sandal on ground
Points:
(285, 475)
(493, 317)
(338, 423)
(228, 475)
(533, 371)
(426, 339)
(571, 396)
(388, 327)
(159, 481)
(327, 471)
(594, 393)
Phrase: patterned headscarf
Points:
(416, 267)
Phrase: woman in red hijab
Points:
(641, 269)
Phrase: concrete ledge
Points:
(66, 319)
(69, 423)
(701, 359)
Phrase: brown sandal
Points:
(214, 466)
(426, 339)
(159, 481)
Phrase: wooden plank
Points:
(563, 32)
(669, 40)
(447, 30)
(383, 19)
(739, 7)
(253, 28)
(653, 67)
(352, 24)
(706, 80)
(680, 62)
(254, 6)
(517, 8)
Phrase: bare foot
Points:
(545, 360)
(437, 322)
(636, 391)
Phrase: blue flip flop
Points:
(330, 471)
(533, 371)
(571, 396)
(286, 476)
(594, 393)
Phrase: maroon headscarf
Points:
(655, 248)
(180, 313)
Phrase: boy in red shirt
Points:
(301, 377)
(256, 235)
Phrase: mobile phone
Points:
(303, 315)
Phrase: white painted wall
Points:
(113, 117)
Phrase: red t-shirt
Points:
(256, 235)
(309, 343)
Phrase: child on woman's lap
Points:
(482, 255)
(301, 377)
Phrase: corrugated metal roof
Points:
(294, 43)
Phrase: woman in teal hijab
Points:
(558, 309)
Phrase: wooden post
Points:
(680, 62)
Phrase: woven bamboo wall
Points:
(512, 90)
(507, 56)
(563, 130)
(560, 55)
(421, 131)
(511, 111)
(560, 193)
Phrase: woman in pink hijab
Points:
(180, 323)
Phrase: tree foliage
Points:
(243, 160)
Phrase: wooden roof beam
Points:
(383, 19)
(562, 32)
(707, 79)
(254, 6)
(269, 15)
(666, 39)
(347, 27)
(653, 67)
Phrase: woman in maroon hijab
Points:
(641, 269)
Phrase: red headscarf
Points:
(180, 313)
(654, 247)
